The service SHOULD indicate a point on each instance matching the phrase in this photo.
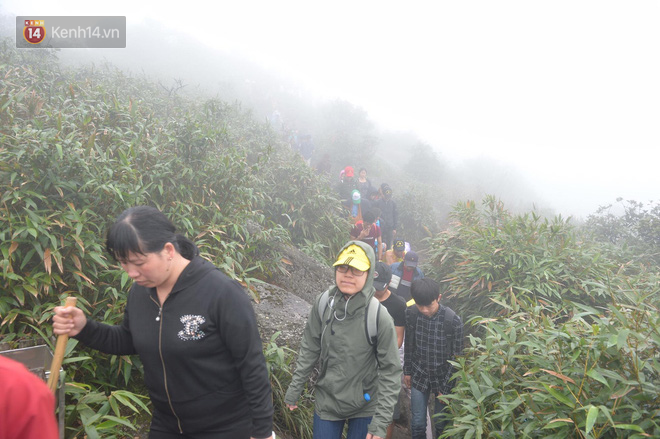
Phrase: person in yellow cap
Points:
(358, 382)
(396, 253)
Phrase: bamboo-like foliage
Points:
(310, 210)
(280, 362)
(564, 333)
(635, 229)
(77, 147)
(493, 262)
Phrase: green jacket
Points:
(348, 366)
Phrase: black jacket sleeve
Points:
(111, 339)
(395, 216)
(239, 324)
(409, 340)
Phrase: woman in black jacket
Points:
(193, 328)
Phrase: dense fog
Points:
(516, 114)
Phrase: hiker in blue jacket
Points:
(403, 275)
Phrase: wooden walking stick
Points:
(60, 347)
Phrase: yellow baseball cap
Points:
(355, 257)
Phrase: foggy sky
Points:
(566, 91)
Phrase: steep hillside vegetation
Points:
(564, 330)
(77, 147)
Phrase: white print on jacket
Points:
(191, 329)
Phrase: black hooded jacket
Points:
(202, 353)
(389, 215)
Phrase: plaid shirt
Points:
(429, 343)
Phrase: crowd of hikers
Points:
(377, 336)
(372, 210)
(360, 380)
(427, 334)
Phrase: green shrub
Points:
(635, 230)
(492, 263)
(564, 332)
(302, 202)
(281, 363)
(596, 375)
(77, 147)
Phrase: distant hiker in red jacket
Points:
(367, 231)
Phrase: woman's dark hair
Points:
(145, 229)
(362, 169)
(424, 291)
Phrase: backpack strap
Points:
(371, 321)
(323, 303)
(415, 312)
(449, 328)
(371, 315)
(322, 306)
(449, 319)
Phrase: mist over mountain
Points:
(569, 113)
(182, 64)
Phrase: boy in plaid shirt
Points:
(434, 335)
